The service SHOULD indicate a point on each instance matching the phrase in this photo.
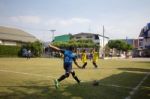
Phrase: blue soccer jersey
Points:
(68, 56)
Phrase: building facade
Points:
(87, 36)
(144, 41)
(98, 39)
(14, 37)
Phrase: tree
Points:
(79, 44)
(35, 47)
(119, 45)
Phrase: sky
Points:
(121, 18)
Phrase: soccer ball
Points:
(95, 83)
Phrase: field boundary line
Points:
(31, 74)
(117, 86)
(135, 89)
(16, 72)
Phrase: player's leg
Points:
(66, 75)
(56, 81)
(94, 63)
(63, 76)
(75, 77)
(68, 69)
(84, 65)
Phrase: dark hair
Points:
(83, 50)
(71, 48)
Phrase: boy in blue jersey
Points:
(69, 57)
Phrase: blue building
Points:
(145, 42)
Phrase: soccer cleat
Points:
(79, 82)
(56, 83)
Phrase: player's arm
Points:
(56, 48)
(75, 62)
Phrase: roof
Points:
(14, 34)
(62, 38)
(145, 31)
(82, 33)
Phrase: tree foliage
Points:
(9, 51)
(77, 44)
(35, 47)
(119, 45)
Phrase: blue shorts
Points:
(68, 67)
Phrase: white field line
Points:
(38, 75)
(135, 89)
(112, 85)
(31, 74)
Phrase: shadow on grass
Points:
(85, 90)
(144, 90)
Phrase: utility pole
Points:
(103, 42)
(52, 33)
(103, 36)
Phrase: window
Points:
(89, 37)
(140, 39)
(78, 37)
(96, 37)
(10, 43)
(140, 43)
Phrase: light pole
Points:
(103, 43)
(52, 33)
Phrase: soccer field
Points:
(33, 79)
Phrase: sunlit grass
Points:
(33, 79)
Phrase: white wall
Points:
(9, 43)
(1, 42)
(101, 41)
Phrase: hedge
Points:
(9, 51)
